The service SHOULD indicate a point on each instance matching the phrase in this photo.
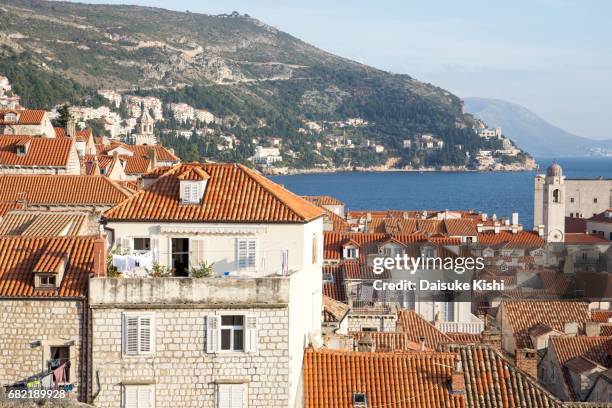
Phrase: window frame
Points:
(230, 386)
(138, 388)
(124, 334)
(249, 264)
(232, 329)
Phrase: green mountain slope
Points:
(232, 65)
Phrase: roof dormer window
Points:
(10, 117)
(190, 192)
(21, 150)
(46, 281)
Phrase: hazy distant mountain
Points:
(532, 133)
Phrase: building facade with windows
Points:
(232, 339)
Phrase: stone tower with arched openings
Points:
(144, 129)
(549, 204)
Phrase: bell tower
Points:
(553, 211)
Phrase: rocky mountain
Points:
(532, 133)
(269, 82)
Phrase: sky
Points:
(553, 57)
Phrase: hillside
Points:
(266, 81)
(532, 133)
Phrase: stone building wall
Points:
(24, 323)
(180, 370)
(382, 323)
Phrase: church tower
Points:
(144, 129)
(553, 209)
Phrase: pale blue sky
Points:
(551, 56)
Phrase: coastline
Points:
(285, 171)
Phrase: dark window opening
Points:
(60, 355)
(232, 333)
(180, 256)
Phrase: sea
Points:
(500, 193)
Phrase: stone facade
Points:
(30, 327)
(181, 371)
(374, 322)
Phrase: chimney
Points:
(541, 230)
(570, 328)
(71, 128)
(457, 381)
(491, 335)
(494, 217)
(152, 155)
(366, 344)
(592, 328)
(422, 343)
(515, 218)
(479, 227)
(496, 228)
(483, 217)
(526, 360)
(99, 253)
(369, 217)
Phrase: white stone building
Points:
(234, 339)
(267, 155)
(26, 122)
(182, 112)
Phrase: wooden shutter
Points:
(155, 249)
(197, 254)
(145, 331)
(246, 253)
(130, 335)
(145, 397)
(230, 396)
(213, 333)
(251, 341)
(252, 253)
(130, 397)
(186, 193)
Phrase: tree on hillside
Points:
(63, 118)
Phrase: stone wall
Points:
(29, 327)
(382, 323)
(182, 373)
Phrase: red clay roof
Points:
(461, 227)
(399, 380)
(524, 239)
(61, 190)
(411, 323)
(234, 193)
(522, 315)
(602, 316)
(42, 223)
(26, 116)
(335, 289)
(593, 348)
(323, 200)
(585, 239)
(46, 152)
(390, 341)
(162, 153)
(19, 256)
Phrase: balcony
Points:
(474, 326)
(269, 291)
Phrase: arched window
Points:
(556, 196)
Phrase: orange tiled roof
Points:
(390, 341)
(491, 381)
(522, 315)
(19, 256)
(26, 116)
(162, 153)
(234, 193)
(465, 338)
(60, 190)
(524, 239)
(37, 223)
(333, 310)
(461, 227)
(411, 323)
(335, 289)
(602, 316)
(399, 380)
(44, 152)
(323, 200)
(585, 239)
(593, 348)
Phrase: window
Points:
(47, 281)
(138, 334)
(360, 399)
(246, 253)
(571, 199)
(369, 329)
(328, 278)
(231, 396)
(232, 333)
(138, 396)
(142, 244)
(556, 196)
(190, 192)
(60, 355)
(315, 249)
(351, 253)
(21, 150)
(595, 200)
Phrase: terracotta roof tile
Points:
(461, 227)
(323, 200)
(594, 348)
(585, 239)
(60, 190)
(44, 152)
(47, 223)
(234, 193)
(491, 381)
(602, 316)
(391, 341)
(333, 310)
(522, 315)
(465, 338)
(334, 289)
(25, 116)
(399, 380)
(413, 324)
(19, 256)
(523, 239)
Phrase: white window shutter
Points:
(130, 335)
(155, 248)
(145, 397)
(252, 253)
(126, 244)
(251, 340)
(237, 395)
(213, 333)
(130, 397)
(146, 334)
(197, 247)
(231, 396)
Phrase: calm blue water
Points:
(499, 193)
